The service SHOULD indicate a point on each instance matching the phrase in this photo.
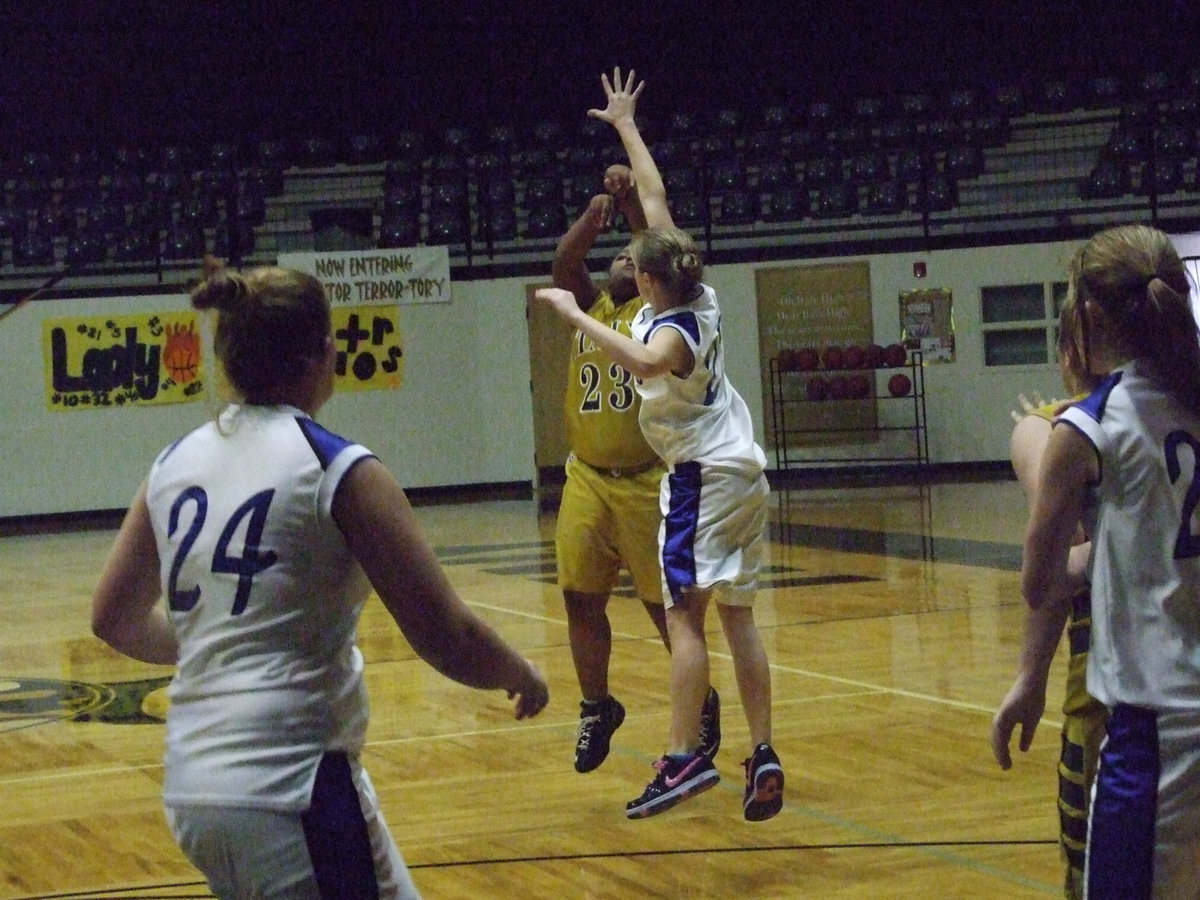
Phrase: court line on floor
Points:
(777, 667)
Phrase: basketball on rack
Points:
(858, 386)
(894, 355)
(856, 357)
(834, 358)
(817, 388)
(808, 359)
(899, 385)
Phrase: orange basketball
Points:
(899, 385)
(181, 362)
(181, 352)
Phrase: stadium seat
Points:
(400, 228)
(183, 241)
(546, 222)
(737, 207)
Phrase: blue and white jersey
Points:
(1146, 543)
(264, 597)
(699, 418)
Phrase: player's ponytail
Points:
(1134, 275)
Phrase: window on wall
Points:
(1020, 323)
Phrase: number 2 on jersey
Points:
(620, 398)
(1187, 542)
(246, 566)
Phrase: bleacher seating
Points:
(1050, 159)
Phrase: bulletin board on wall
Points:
(927, 323)
(815, 308)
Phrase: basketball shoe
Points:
(710, 724)
(764, 785)
(678, 778)
(598, 720)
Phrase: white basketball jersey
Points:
(1146, 543)
(264, 597)
(701, 417)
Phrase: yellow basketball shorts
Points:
(607, 521)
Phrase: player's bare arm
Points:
(383, 534)
(667, 352)
(619, 112)
(1068, 465)
(619, 184)
(126, 613)
(569, 269)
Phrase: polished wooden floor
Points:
(891, 615)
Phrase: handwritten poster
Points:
(134, 360)
(366, 289)
(370, 349)
(358, 277)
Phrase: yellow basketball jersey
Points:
(601, 403)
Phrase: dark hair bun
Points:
(222, 290)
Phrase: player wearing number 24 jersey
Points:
(264, 596)
(264, 531)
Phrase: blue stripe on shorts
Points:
(679, 528)
(1120, 854)
(336, 834)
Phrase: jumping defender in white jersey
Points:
(265, 532)
(713, 497)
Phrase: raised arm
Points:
(622, 101)
(569, 269)
(384, 536)
(619, 184)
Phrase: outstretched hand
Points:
(622, 98)
(1025, 406)
(562, 302)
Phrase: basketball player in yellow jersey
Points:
(609, 515)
